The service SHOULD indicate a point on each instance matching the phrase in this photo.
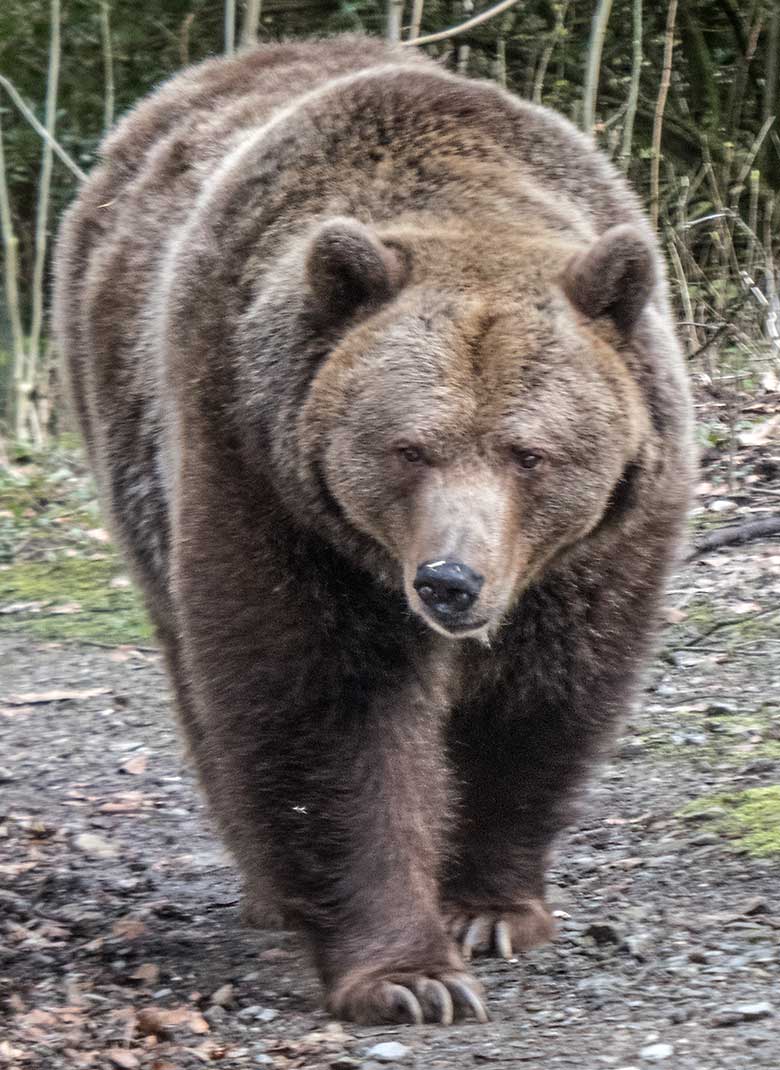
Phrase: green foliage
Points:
(59, 579)
(71, 598)
(751, 819)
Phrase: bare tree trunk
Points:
(395, 15)
(772, 55)
(417, 14)
(597, 34)
(500, 67)
(184, 38)
(633, 93)
(658, 121)
(27, 423)
(108, 65)
(464, 50)
(11, 264)
(251, 23)
(230, 27)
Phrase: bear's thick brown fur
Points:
(376, 370)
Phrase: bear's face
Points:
(474, 439)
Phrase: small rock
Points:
(760, 765)
(632, 748)
(756, 905)
(258, 1013)
(223, 996)
(6, 776)
(123, 1059)
(705, 839)
(742, 1012)
(603, 932)
(722, 505)
(639, 946)
(263, 1060)
(215, 1014)
(721, 709)
(711, 813)
(655, 1053)
(95, 846)
(249, 1012)
(389, 1052)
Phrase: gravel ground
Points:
(120, 939)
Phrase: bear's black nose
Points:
(448, 588)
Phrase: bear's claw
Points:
(502, 932)
(412, 999)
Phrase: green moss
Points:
(94, 609)
(751, 818)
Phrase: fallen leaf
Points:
(128, 802)
(148, 973)
(99, 535)
(95, 846)
(128, 928)
(159, 1021)
(672, 615)
(762, 433)
(134, 766)
(65, 608)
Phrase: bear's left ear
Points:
(347, 266)
(615, 277)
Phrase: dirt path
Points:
(119, 911)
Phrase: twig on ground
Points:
(735, 535)
(730, 623)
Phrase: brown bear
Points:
(377, 373)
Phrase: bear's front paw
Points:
(408, 997)
(501, 932)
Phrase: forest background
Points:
(682, 95)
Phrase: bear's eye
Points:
(412, 454)
(527, 458)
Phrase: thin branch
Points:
(13, 93)
(736, 535)
(658, 120)
(556, 34)
(468, 25)
(633, 92)
(597, 34)
(108, 65)
(732, 622)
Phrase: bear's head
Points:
(472, 425)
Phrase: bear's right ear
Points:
(347, 266)
(614, 278)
